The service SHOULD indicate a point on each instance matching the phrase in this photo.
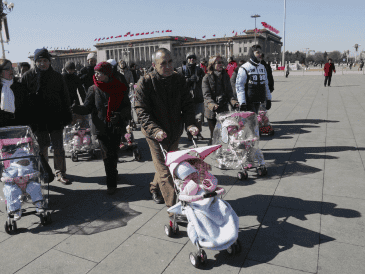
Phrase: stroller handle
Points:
(164, 152)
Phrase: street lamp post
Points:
(275, 53)
(283, 57)
(5, 8)
(255, 16)
(228, 44)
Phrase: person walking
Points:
(234, 77)
(328, 68)
(73, 83)
(108, 103)
(203, 65)
(164, 106)
(232, 65)
(123, 69)
(217, 92)
(14, 110)
(50, 103)
(194, 76)
(270, 78)
(252, 84)
(287, 71)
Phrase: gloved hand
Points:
(236, 106)
(74, 108)
(243, 107)
(115, 118)
(268, 104)
(160, 135)
(193, 78)
(194, 131)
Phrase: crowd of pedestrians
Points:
(167, 102)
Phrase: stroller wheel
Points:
(48, 217)
(259, 171)
(7, 228)
(195, 261)
(264, 171)
(238, 246)
(74, 157)
(272, 133)
(240, 175)
(246, 175)
(14, 226)
(176, 231)
(203, 256)
(168, 230)
(231, 250)
(92, 154)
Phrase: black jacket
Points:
(23, 114)
(49, 99)
(270, 78)
(194, 87)
(233, 82)
(86, 77)
(73, 84)
(96, 103)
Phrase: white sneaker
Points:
(39, 206)
(17, 215)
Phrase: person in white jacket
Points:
(251, 84)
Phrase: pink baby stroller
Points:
(212, 223)
(77, 139)
(23, 176)
(238, 133)
(265, 127)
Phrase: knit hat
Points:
(42, 53)
(112, 62)
(105, 68)
(70, 65)
(91, 55)
(183, 170)
(3, 63)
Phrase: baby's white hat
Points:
(183, 170)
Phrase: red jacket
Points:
(328, 68)
(231, 67)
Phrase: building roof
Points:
(144, 40)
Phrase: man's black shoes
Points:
(157, 197)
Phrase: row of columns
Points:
(132, 54)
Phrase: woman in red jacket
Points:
(328, 68)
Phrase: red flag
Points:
(157, 31)
(162, 31)
(186, 39)
(96, 39)
(152, 32)
(176, 38)
(137, 34)
(132, 35)
(111, 37)
(244, 31)
(99, 39)
(236, 33)
(147, 33)
(213, 35)
(125, 35)
(142, 33)
(204, 36)
(107, 38)
(103, 38)
(232, 31)
(128, 32)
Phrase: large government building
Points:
(139, 51)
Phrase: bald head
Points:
(163, 62)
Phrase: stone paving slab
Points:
(306, 216)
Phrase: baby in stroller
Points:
(212, 223)
(238, 134)
(20, 179)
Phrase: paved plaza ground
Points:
(306, 216)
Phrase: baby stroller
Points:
(77, 139)
(24, 176)
(212, 223)
(238, 133)
(265, 127)
(128, 142)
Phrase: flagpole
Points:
(283, 57)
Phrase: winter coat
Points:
(74, 83)
(164, 104)
(257, 89)
(86, 77)
(96, 104)
(217, 91)
(194, 87)
(270, 78)
(204, 68)
(22, 115)
(328, 68)
(231, 67)
(128, 76)
(49, 99)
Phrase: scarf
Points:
(115, 89)
(7, 96)
(253, 60)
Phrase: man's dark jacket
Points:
(270, 78)
(73, 84)
(164, 104)
(48, 99)
(86, 77)
(197, 91)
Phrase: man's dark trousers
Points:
(327, 78)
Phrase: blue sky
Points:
(315, 24)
